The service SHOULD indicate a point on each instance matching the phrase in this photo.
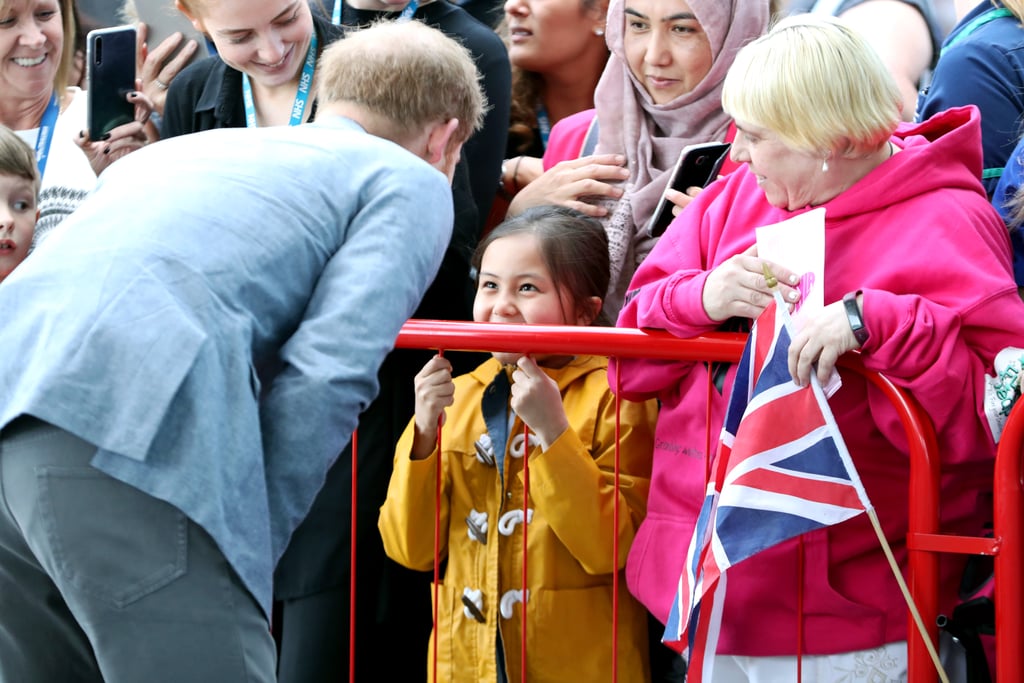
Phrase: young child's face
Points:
(18, 215)
(516, 287)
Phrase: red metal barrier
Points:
(924, 538)
(1009, 560)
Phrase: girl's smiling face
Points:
(515, 286)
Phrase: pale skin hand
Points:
(566, 182)
(153, 65)
(821, 340)
(737, 287)
(537, 400)
(435, 391)
(680, 200)
(122, 140)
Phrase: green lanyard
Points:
(975, 24)
(971, 27)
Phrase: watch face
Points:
(853, 315)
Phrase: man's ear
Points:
(195, 22)
(437, 140)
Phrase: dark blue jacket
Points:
(982, 63)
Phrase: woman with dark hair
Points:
(558, 52)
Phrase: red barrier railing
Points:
(1009, 558)
(924, 537)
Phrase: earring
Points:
(824, 165)
(598, 31)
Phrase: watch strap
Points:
(853, 315)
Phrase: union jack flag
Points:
(781, 470)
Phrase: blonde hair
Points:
(406, 73)
(817, 84)
(1015, 6)
(17, 158)
(67, 52)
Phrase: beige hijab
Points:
(652, 135)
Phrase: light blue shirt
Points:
(200, 266)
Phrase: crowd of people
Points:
(202, 306)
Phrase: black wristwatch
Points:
(860, 330)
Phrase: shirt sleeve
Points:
(368, 289)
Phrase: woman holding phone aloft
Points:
(263, 72)
(37, 46)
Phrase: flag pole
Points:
(906, 594)
(819, 393)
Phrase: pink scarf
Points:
(652, 135)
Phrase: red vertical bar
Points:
(923, 518)
(1009, 561)
(615, 539)
(437, 535)
(526, 510)
(352, 566)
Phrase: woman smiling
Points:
(263, 72)
(37, 46)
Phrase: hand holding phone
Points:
(697, 166)
(110, 64)
(163, 20)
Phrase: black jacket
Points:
(485, 149)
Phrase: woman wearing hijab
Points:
(660, 92)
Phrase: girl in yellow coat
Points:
(547, 266)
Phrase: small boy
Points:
(19, 192)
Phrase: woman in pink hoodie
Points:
(923, 265)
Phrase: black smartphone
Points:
(162, 19)
(110, 64)
(697, 166)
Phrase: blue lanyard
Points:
(544, 124)
(975, 24)
(409, 10)
(45, 136)
(301, 95)
(406, 14)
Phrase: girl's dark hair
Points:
(574, 247)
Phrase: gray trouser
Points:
(101, 582)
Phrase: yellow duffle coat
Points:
(569, 535)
